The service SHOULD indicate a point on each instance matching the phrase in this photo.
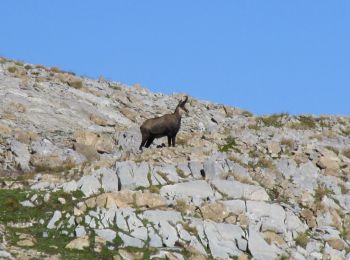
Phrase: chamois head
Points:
(181, 109)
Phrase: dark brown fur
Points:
(167, 125)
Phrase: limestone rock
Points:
(79, 243)
(237, 190)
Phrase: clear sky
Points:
(264, 56)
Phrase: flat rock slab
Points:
(193, 189)
(155, 216)
(225, 240)
(258, 247)
(271, 216)
(237, 190)
(132, 175)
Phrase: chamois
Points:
(166, 125)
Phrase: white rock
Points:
(224, 238)
(193, 189)
(56, 217)
(27, 203)
(80, 231)
(22, 155)
(235, 206)
(70, 186)
(107, 234)
(258, 247)
(131, 241)
(156, 216)
(237, 190)
(154, 239)
(89, 185)
(109, 181)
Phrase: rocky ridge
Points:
(74, 185)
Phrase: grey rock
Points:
(237, 190)
(168, 233)
(183, 167)
(56, 217)
(156, 216)
(80, 231)
(169, 171)
(213, 169)
(258, 247)
(70, 186)
(89, 185)
(109, 181)
(154, 239)
(41, 185)
(235, 206)
(27, 203)
(107, 234)
(5, 255)
(272, 216)
(120, 221)
(22, 155)
(193, 189)
(131, 175)
(131, 241)
(196, 168)
(225, 240)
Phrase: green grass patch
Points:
(320, 192)
(274, 120)
(12, 211)
(12, 69)
(305, 123)
(302, 239)
(55, 69)
(230, 145)
(247, 113)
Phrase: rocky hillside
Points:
(73, 184)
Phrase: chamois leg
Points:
(143, 142)
(149, 142)
(169, 140)
(173, 140)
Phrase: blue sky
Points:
(263, 56)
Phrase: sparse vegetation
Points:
(181, 205)
(12, 69)
(180, 173)
(305, 123)
(343, 188)
(346, 131)
(320, 192)
(274, 120)
(346, 153)
(288, 143)
(254, 127)
(78, 84)
(55, 69)
(247, 113)
(302, 239)
(28, 67)
(155, 189)
(230, 145)
(333, 149)
(265, 163)
(19, 63)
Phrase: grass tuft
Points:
(230, 145)
(12, 69)
(302, 239)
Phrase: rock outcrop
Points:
(73, 183)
